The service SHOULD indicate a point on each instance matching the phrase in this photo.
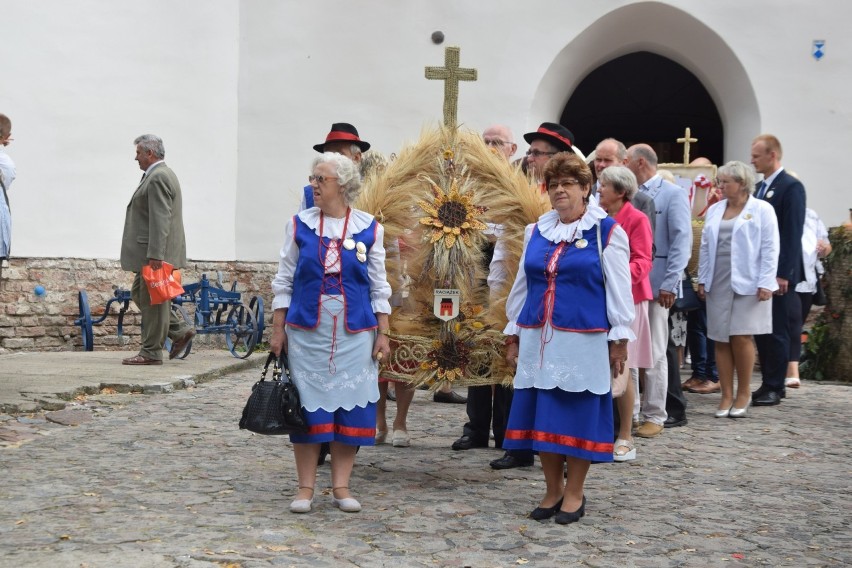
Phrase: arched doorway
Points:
(645, 97)
(670, 32)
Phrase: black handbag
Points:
(274, 407)
(688, 300)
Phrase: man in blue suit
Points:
(786, 194)
(663, 403)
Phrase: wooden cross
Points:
(451, 74)
(686, 140)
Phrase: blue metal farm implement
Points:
(217, 311)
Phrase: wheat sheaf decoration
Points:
(439, 201)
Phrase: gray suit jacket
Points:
(153, 224)
(672, 234)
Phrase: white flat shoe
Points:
(401, 439)
(619, 454)
(302, 505)
(381, 436)
(348, 504)
(723, 413)
(792, 382)
(738, 412)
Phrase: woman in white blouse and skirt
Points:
(331, 318)
(570, 311)
(737, 262)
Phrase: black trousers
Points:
(486, 413)
(675, 399)
(773, 349)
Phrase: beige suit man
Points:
(153, 233)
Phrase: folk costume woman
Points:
(331, 316)
(570, 311)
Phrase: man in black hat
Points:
(549, 139)
(342, 139)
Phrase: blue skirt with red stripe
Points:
(576, 424)
(356, 427)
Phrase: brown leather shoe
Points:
(707, 387)
(691, 382)
(180, 344)
(140, 360)
(649, 430)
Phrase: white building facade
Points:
(241, 90)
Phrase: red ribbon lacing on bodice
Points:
(332, 281)
(551, 270)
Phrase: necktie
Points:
(761, 190)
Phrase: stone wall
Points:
(33, 322)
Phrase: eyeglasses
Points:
(495, 142)
(537, 153)
(566, 183)
(320, 179)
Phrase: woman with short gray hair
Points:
(331, 316)
(618, 186)
(737, 263)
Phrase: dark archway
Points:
(644, 97)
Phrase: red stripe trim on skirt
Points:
(570, 441)
(345, 430)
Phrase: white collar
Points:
(154, 165)
(358, 220)
(555, 230)
(772, 177)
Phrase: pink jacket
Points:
(638, 230)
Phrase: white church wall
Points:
(240, 91)
(81, 80)
(296, 49)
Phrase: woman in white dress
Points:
(331, 317)
(737, 262)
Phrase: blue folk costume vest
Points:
(579, 303)
(309, 276)
(309, 196)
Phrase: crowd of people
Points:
(591, 301)
(592, 297)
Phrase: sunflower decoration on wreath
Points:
(449, 255)
(452, 215)
(431, 201)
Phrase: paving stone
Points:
(69, 417)
(169, 480)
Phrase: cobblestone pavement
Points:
(169, 481)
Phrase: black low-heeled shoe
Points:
(542, 513)
(565, 518)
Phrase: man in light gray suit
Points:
(673, 242)
(153, 233)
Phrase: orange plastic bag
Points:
(162, 284)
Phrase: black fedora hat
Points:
(343, 132)
(554, 133)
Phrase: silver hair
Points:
(623, 181)
(740, 172)
(347, 171)
(151, 143)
